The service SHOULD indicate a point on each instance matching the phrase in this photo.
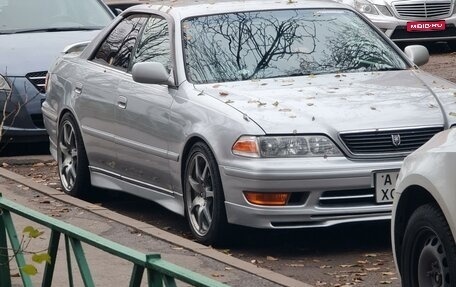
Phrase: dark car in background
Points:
(32, 35)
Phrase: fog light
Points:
(267, 198)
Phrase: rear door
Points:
(98, 103)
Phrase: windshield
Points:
(268, 44)
(34, 15)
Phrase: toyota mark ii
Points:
(268, 114)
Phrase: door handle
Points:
(78, 88)
(122, 102)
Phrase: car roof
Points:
(185, 8)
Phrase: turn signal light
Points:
(267, 198)
(246, 146)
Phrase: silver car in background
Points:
(268, 114)
(424, 215)
(412, 20)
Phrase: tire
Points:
(428, 251)
(203, 196)
(72, 162)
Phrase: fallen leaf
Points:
(370, 255)
(285, 110)
(310, 104)
(295, 265)
(270, 258)
(217, 275)
(216, 86)
(229, 102)
(373, 108)
(453, 114)
(388, 273)
(325, 266)
(373, 269)
(321, 283)
(223, 94)
(275, 104)
(4, 164)
(347, 265)
(386, 282)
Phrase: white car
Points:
(411, 20)
(424, 214)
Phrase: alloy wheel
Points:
(200, 202)
(68, 157)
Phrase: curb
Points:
(154, 231)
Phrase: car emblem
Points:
(396, 140)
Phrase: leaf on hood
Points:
(229, 102)
(275, 104)
(453, 114)
(223, 94)
(285, 110)
(216, 86)
(373, 108)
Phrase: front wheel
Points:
(72, 159)
(203, 195)
(428, 255)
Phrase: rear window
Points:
(29, 15)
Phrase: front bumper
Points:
(330, 191)
(24, 120)
(396, 29)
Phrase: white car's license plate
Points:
(385, 183)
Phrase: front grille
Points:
(38, 80)
(345, 198)
(382, 142)
(423, 10)
(401, 33)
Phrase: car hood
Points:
(34, 52)
(337, 102)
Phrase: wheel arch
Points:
(411, 198)
(185, 152)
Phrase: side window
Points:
(154, 45)
(117, 47)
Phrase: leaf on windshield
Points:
(453, 114)
(229, 102)
(285, 110)
(223, 94)
(373, 108)
(275, 104)
(310, 104)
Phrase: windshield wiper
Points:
(53, 29)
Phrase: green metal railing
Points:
(159, 271)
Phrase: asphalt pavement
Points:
(108, 270)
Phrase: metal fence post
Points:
(4, 258)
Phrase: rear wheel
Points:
(203, 195)
(72, 160)
(428, 256)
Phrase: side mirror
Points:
(151, 73)
(417, 54)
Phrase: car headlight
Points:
(285, 146)
(4, 85)
(365, 7)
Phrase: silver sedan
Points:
(258, 113)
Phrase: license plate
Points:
(426, 26)
(385, 184)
